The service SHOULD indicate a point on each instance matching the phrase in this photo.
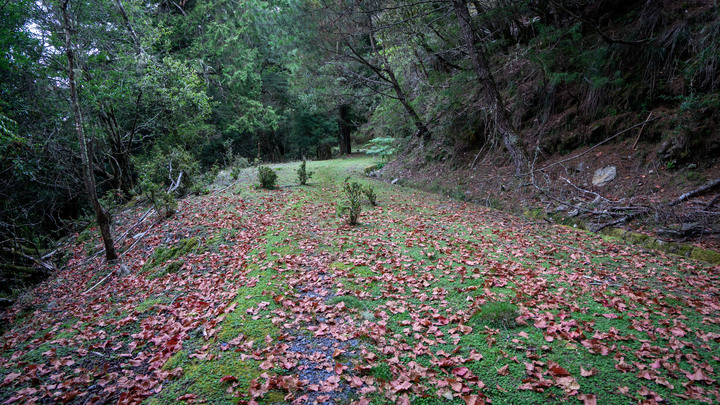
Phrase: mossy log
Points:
(20, 270)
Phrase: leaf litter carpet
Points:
(427, 301)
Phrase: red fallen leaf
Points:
(267, 364)
(588, 399)
(678, 332)
(229, 378)
(473, 400)
(475, 356)
(503, 370)
(593, 371)
(567, 383)
(623, 390)
(460, 371)
(186, 397)
(339, 368)
(501, 389)
(398, 386)
(644, 391)
(10, 378)
(664, 382)
(558, 371)
(698, 375)
(455, 385)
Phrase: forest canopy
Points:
(192, 87)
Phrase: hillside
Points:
(258, 296)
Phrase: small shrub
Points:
(302, 174)
(353, 192)
(241, 162)
(267, 177)
(164, 203)
(370, 194)
(235, 172)
(238, 165)
(383, 147)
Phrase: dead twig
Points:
(641, 130)
(711, 203)
(693, 193)
(586, 191)
(683, 197)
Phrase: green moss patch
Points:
(164, 254)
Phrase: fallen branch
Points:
(683, 197)
(22, 270)
(585, 191)
(626, 218)
(711, 203)
(45, 265)
(695, 192)
(641, 130)
(122, 267)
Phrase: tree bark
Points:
(489, 92)
(101, 216)
(344, 135)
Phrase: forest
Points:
(359, 201)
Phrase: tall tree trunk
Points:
(344, 126)
(422, 129)
(101, 215)
(489, 92)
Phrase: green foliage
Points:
(267, 177)
(369, 192)
(352, 207)
(312, 128)
(302, 174)
(383, 147)
(160, 174)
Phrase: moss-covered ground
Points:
(427, 301)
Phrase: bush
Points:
(303, 175)
(352, 209)
(267, 177)
(238, 165)
(370, 194)
(383, 147)
(159, 173)
(165, 203)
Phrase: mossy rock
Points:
(164, 254)
(171, 268)
(536, 214)
(372, 168)
(705, 255)
(680, 249)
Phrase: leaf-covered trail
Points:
(258, 296)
